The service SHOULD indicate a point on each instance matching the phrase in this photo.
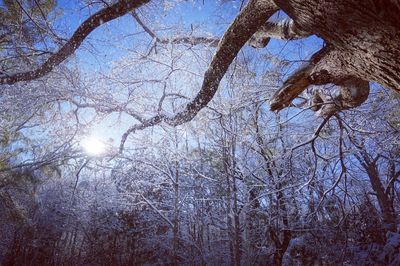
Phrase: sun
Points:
(93, 146)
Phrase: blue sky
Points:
(115, 39)
(112, 40)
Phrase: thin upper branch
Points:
(192, 40)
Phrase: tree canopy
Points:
(192, 132)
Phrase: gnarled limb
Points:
(366, 32)
(284, 30)
(297, 82)
(324, 67)
(104, 15)
(360, 51)
(348, 94)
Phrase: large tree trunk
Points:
(365, 36)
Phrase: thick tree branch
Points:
(243, 27)
(324, 67)
(297, 82)
(145, 124)
(104, 15)
(239, 32)
(369, 41)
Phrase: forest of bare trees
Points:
(193, 132)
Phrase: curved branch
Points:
(104, 15)
(239, 32)
(348, 93)
(242, 28)
(325, 67)
(145, 124)
(297, 82)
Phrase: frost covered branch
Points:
(239, 32)
(104, 15)
(191, 40)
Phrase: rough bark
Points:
(364, 37)
(367, 34)
(349, 93)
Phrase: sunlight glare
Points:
(93, 146)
